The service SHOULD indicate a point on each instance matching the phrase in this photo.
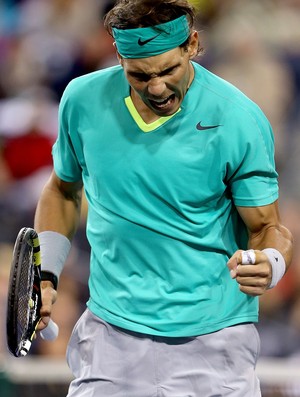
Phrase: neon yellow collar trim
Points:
(140, 122)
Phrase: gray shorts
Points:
(110, 361)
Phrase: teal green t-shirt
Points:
(162, 219)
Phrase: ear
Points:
(193, 44)
(120, 59)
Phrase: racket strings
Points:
(24, 297)
(25, 304)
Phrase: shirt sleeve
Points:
(65, 158)
(251, 171)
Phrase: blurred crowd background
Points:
(46, 43)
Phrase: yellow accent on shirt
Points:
(140, 122)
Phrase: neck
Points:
(144, 111)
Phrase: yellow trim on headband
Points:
(152, 40)
(140, 122)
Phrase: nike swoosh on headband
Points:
(143, 42)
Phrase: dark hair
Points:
(130, 14)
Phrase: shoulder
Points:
(241, 117)
(94, 83)
(226, 98)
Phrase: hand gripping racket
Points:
(24, 295)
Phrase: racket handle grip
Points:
(50, 332)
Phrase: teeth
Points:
(160, 101)
(163, 100)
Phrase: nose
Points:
(156, 86)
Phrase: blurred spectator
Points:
(51, 43)
(255, 45)
(27, 131)
(244, 58)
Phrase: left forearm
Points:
(277, 237)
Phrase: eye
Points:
(140, 76)
(169, 71)
(143, 78)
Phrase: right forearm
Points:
(58, 210)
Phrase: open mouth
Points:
(162, 104)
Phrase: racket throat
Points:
(25, 347)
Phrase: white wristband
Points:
(278, 265)
(55, 248)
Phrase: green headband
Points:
(153, 40)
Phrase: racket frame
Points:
(26, 237)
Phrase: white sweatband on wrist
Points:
(278, 265)
(55, 248)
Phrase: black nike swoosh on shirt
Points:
(201, 127)
(143, 42)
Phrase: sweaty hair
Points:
(130, 14)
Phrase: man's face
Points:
(160, 82)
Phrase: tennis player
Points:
(178, 169)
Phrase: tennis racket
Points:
(24, 295)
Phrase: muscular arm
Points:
(59, 207)
(58, 210)
(265, 231)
